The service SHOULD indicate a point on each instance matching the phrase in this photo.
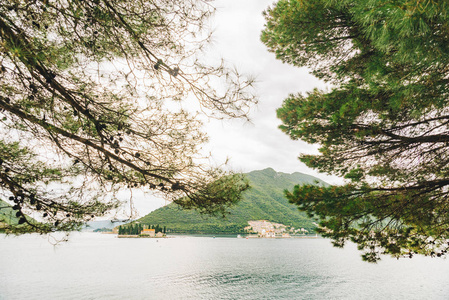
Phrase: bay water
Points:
(102, 266)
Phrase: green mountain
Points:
(8, 216)
(264, 201)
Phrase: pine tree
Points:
(384, 124)
(88, 90)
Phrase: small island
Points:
(137, 230)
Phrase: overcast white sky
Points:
(238, 25)
(260, 144)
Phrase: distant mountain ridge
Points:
(264, 201)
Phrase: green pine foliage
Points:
(384, 124)
(264, 201)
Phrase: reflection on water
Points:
(96, 266)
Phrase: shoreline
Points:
(133, 236)
(237, 236)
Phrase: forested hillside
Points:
(264, 201)
(8, 217)
(7, 214)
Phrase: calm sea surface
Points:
(99, 266)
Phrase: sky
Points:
(257, 144)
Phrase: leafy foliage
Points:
(383, 125)
(264, 201)
(92, 97)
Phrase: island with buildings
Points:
(137, 230)
(266, 229)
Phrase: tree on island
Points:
(136, 228)
(383, 125)
(91, 98)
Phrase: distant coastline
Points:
(310, 236)
(255, 229)
(134, 236)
